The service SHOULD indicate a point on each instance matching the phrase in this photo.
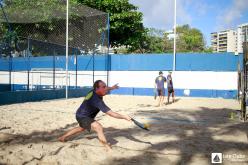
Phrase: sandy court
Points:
(185, 132)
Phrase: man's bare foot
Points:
(108, 147)
(61, 139)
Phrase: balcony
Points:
(223, 38)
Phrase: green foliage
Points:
(189, 39)
(168, 43)
(45, 20)
(126, 27)
(10, 37)
(33, 10)
(9, 40)
(208, 50)
(154, 41)
(23, 14)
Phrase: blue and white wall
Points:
(204, 75)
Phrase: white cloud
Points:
(183, 16)
(201, 7)
(156, 13)
(160, 13)
(230, 16)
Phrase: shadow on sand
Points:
(200, 141)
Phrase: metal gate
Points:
(244, 81)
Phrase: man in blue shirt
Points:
(170, 88)
(91, 106)
(159, 85)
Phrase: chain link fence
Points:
(31, 30)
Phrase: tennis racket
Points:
(155, 93)
(140, 124)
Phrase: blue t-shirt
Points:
(91, 105)
(160, 80)
(169, 82)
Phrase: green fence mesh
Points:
(30, 28)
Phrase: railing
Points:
(47, 79)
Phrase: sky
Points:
(206, 15)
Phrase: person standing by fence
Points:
(170, 88)
(159, 86)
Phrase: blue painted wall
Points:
(141, 62)
(132, 62)
(4, 64)
(207, 62)
(136, 62)
(25, 96)
(184, 62)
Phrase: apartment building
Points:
(230, 40)
(224, 41)
(214, 41)
(242, 35)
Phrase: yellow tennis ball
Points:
(146, 125)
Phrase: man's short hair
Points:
(160, 72)
(96, 84)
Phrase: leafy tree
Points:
(189, 39)
(208, 50)
(154, 41)
(157, 41)
(126, 27)
(45, 21)
(25, 17)
(168, 43)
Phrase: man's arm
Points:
(118, 116)
(155, 84)
(113, 87)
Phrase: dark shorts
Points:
(160, 92)
(85, 122)
(170, 90)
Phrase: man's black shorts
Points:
(170, 90)
(85, 122)
(160, 92)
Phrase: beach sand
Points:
(185, 132)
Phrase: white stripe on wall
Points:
(138, 79)
(181, 79)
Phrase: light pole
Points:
(66, 65)
(175, 33)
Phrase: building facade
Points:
(230, 40)
(224, 41)
(242, 35)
